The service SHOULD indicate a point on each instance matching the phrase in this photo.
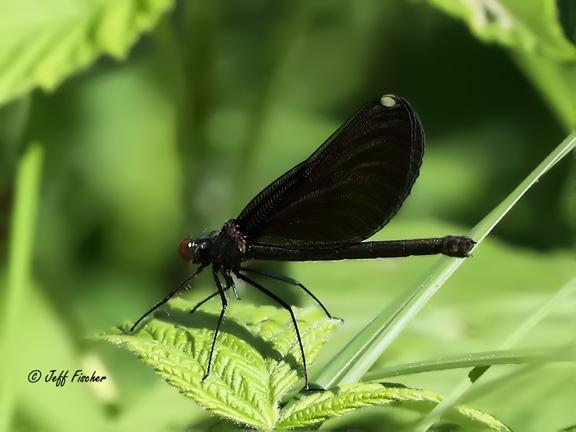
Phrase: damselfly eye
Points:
(186, 249)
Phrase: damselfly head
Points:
(196, 250)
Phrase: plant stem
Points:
(356, 358)
(555, 82)
(22, 229)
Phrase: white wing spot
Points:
(388, 101)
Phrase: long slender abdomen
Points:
(456, 246)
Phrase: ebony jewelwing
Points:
(323, 209)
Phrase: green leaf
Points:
(256, 360)
(316, 408)
(45, 42)
(541, 34)
(532, 26)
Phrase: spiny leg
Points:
(224, 307)
(211, 296)
(290, 281)
(166, 298)
(289, 309)
(230, 283)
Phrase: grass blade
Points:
(23, 222)
(502, 382)
(354, 360)
(532, 321)
(479, 359)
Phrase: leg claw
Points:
(312, 388)
(127, 331)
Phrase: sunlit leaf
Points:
(44, 42)
(532, 26)
(316, 408)
(541, 34)
(255, 363)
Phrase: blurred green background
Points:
(217, 100)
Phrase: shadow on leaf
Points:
(206, 320)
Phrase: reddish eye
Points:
(186, 248)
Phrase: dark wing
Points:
(348, 188)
